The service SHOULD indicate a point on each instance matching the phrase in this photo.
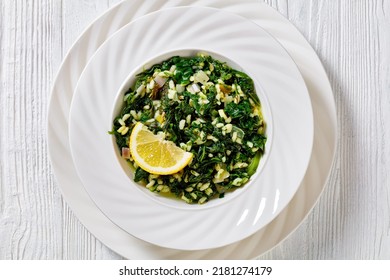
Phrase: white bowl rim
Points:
(176, 202)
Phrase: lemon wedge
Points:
(154, 154)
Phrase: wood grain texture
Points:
(30, 201)
(352, 218)
(35, 223)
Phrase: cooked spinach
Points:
(206, 108)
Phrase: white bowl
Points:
(176, 202)
(220, 222)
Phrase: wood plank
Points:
(351, 220)
(30, 202)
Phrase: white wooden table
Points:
(352, 218)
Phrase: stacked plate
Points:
(297, 101)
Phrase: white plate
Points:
(116, 238)
(222, 221)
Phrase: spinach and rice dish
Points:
(206, 108)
